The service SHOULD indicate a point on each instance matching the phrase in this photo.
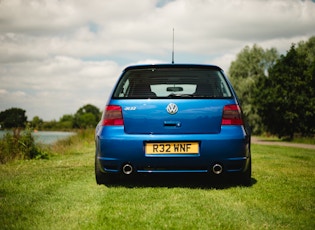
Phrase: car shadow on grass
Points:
(178, 181)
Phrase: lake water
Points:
(46, 137)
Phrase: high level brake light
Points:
(113, 116)
(232, 115)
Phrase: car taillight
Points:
(113, 116)
(232, 115)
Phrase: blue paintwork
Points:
(115, 148)
(150, 115)
(146, 120)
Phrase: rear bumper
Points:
(230, 149)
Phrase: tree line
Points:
(277, 91)
(15, 118)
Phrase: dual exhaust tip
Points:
(217, 169)
(127, 169)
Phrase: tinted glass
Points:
(169, 83)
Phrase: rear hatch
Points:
(172, 99)
(191, 116)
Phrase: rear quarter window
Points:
(169, 83)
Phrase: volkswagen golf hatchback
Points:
(172, 118)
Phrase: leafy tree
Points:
(37, 123)
(50, 125)
(13, 118)
(250, 65)
(86, 120)
(87, 116)
(66, 121)
(286, 98)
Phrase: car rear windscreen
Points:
(172, 83)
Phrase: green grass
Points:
(61, 193)
(304, 140)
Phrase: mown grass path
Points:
(261, 141)
(61, 193)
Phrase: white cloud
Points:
(64, 54)
(48, 87)
(3, 92)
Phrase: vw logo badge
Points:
(172, 108)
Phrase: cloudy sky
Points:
(58, 55)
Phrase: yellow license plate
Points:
(172, 148)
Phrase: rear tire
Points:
(246, 177)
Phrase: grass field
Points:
(61, 193)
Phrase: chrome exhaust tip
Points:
(127, 169)
(217, 169)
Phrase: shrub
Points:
(15, 147)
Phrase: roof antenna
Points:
(173, 49)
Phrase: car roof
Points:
(158, 66)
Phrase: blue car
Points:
(172, 118)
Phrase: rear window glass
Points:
(172, 83)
